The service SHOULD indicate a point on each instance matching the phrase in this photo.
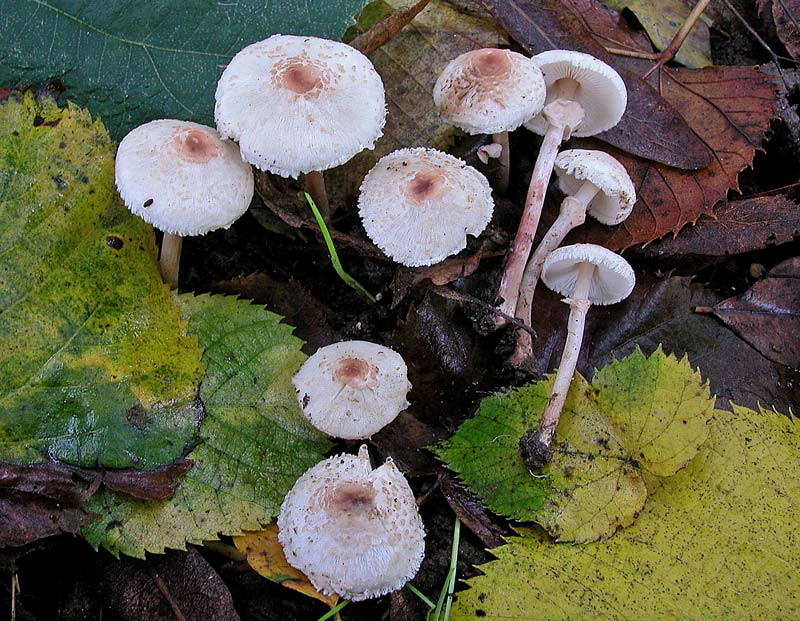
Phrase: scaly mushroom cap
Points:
(352, 389)
(299, 104)
(612, 281)
(614, 202)
(182, 177)
(489, 91)
(352, 530)
(601, 91)
(418, 205)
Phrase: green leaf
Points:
(639, 415)
(719, 540)
(132, 62)
(96, 367)
(255, 442)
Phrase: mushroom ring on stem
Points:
(585, 96)
(352, 530)
(418, 205)
(352, 389)
(183, 179)
(490, 91)
(585, 274)
(300, 105)
(595, 183)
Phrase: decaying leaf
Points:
(719, 540)
(662, 19)
(768, 315)
(639, 415)
(254, 441)
(785, 14)
(96, 367)
(265, 555)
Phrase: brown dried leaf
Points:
(739, 226)
(265, 555)
(158, 484)
(786, 16)
(768, 315)
(380, 33)
(472, 513)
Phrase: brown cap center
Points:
(353, 498)
(494, 63)
(300, 77)
(196, 146)
(425, 186)
(356, 373)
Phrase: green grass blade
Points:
(333, 611)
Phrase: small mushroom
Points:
(352, 389)
(586, 274)
(595, 183)
(354, 531)
(183, 179)
(418, 205)
(490, 91)
(584, 97)
(300, 105)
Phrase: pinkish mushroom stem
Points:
(563, 115)
(579, 306)
(572, 214)
(505, 162)
(170, 259)
(315, 186)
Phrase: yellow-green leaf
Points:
(96, 367)
(639, 415)
(719, 540)
(254, 440)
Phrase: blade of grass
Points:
(421, 595)
(337, 265)
(334, 611)
(447, 589)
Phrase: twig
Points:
(384, 30)
(458, 296)
(775, 57)
(14, 592)
(167, 595)
(671, 50)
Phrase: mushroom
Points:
(586, 274)
(595, 183)
(352, 389)
(584, 97)
(490, 91)
(300, 105)
(418, 205)
(183, 179)
(352, 530)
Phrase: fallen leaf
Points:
(649, 118)
(719, 540)
(265, 555)
(132, 591)
(785, 14)
(663, 18)
(96, 368)
(253, 442)
(148, 61)
(639, 415)
(472, 513)
(735, 227)
(768, 315)
(158, 484)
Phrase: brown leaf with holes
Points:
(785, 14)
(739, 226)
(768, 315)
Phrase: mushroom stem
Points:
(315, 186)
(505, 162)
(579, 306)
(170, 259)
(572, 214)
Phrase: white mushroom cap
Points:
(352, 389)
(489, 91)
(418, 205)
(602, 93)
(352, 530)
(182, 177)
(612, 281)
(614, 202)
(300, 104)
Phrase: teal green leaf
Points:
(133, 61)
(254, 440)
(639, 415)
(718, 540)
(96, 367)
